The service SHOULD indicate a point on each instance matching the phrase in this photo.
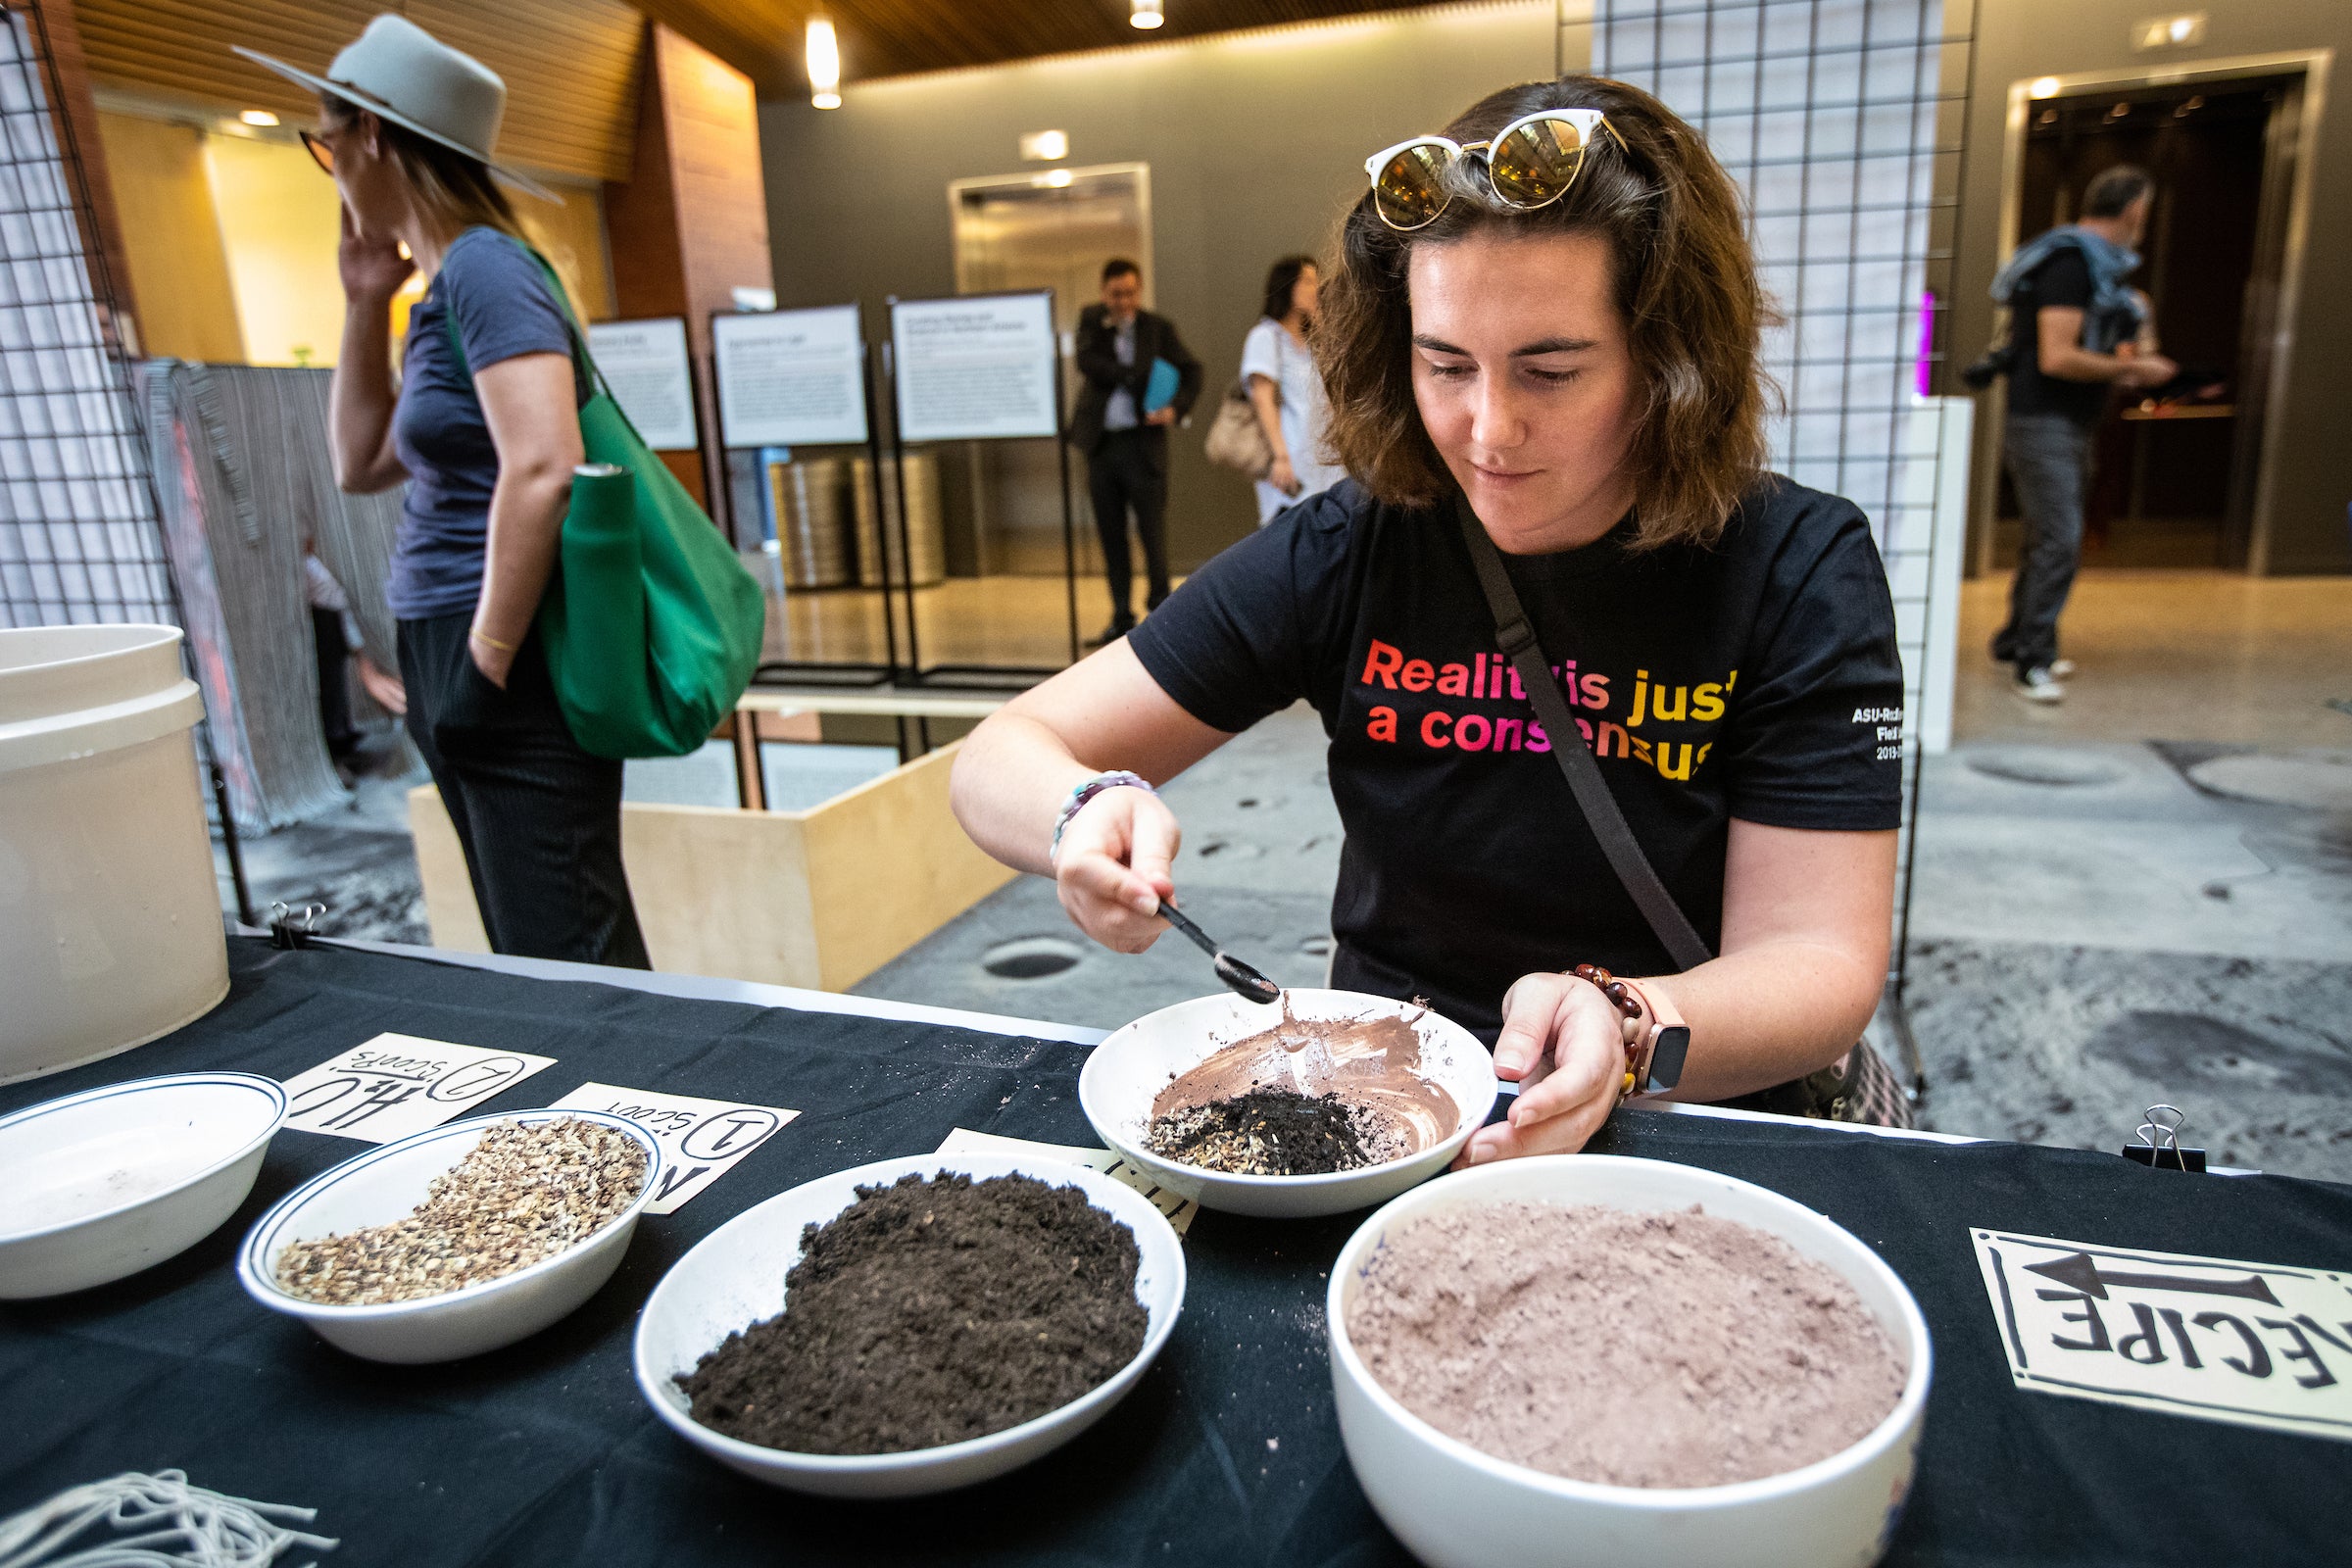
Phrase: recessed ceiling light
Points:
(258, 117)
(1045, 146)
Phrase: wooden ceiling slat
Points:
(571, 66)
(899, 37)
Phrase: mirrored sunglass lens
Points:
(1411, 188)
(1537, 162)
(321, 153)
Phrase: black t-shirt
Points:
(1756, 679)
(2063, 279)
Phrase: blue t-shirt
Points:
(503, 307)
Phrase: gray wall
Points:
(2020, 39)
(1256, 144)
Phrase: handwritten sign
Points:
(1179, 1211)
(700, 1139)
(979, 368)
(2249, 1344)
(396, 1085)
(789, 379)
(645, 364)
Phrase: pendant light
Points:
(1146, 15)
(824, 63)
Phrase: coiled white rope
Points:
(156, 1521)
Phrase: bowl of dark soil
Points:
(1590, 1360)
(913, 1325)
(1330, 1101)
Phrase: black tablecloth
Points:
(1226, 1454)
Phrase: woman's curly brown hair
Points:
(1686, 286)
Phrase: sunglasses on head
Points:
(1530, 162)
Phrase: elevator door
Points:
(2174, 472)
(1053, 229)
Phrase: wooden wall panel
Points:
(690, 225)
(572, 237)
(570, 65)
(172, 235)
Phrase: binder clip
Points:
(2159, 1147)
(291, 928)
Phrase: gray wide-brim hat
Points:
(398, 72)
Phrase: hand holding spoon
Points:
(1237, 975)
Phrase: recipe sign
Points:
(395, 1085)
(2220, 1340)
(1178, 1208)
(701, 1140)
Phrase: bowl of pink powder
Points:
(1587, 1359)
(1326, 1102)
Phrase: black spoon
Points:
(1237, 975)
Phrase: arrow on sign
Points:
(2076, 1271)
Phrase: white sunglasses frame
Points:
(1585, 121)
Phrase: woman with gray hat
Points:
(486, 443)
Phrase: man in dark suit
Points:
(1126, 445)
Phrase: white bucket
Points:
(110, 917)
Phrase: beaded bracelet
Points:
(1629, 1004)
(1116, 778)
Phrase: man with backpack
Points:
(2074, 325)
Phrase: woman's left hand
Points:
(495, 664)
(1564, 1043)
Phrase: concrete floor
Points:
(2143, 895)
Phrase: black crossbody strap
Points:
(1518, 640)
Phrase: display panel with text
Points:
(645, 365)
(976, 368)
(789, 379)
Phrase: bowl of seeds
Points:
(457, 1240)
(1328, 1102)
(914, 1325)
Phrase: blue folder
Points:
(1161, 390)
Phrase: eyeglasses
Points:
(321, 153)
(1530, 163)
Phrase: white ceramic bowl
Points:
(1456, 1507)
(384, 1184)
(1134, 1064)
(735, 1277)
(103, 1184)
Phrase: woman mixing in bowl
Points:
(1549, 314)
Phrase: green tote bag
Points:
(651, 625)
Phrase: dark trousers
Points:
(538, 818)
(1129, 471)
(334, 683)
(2048, 459)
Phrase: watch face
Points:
(1666, 1056)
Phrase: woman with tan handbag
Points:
(1286, 391)
(1615, 713)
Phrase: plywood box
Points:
(820, 898)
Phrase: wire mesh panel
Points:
(78, 541)
(1841, 121)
